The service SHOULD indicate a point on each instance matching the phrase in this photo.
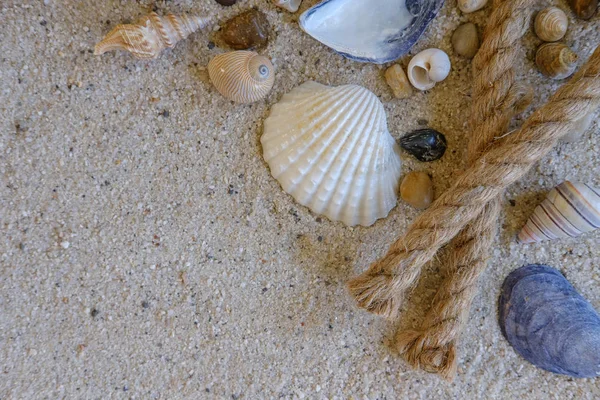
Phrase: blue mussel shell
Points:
(369, 30)
(548, 323)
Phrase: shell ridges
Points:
(330, 149)
(242, 76)
(151, 34)
(569, 210)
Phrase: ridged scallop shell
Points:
(569, 210)
(151, 34)
(242, 76)
(428, 68)
(551, 24)
(548, 323)
(290, 5)
(329, 147)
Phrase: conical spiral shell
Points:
(242, 76)
(551, 24)
(329, 147)
(151, 34)
(556, 60)
(569, 210)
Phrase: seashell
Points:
(290, 5)
(551, 24)
(425, 144)
(428, 68)
(584, 9)
(417, 190)
(465, 40)
(375, 31)
(398, 81)
(152, 34)
(242, 76)
(549, 323)
(469, 6)
(329, 147)
(569, 210)
(247, 30)
(579, 128)
(556, 60)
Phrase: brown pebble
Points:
(584, 9)
(398, 81)
(417, 190)
(465, 40)
(226, 3)
(247, 30)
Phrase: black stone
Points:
(226, 3)
(425, 144)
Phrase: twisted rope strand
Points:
(382, 287)
(432, 347)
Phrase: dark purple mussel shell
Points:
(548, 323)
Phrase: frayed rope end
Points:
(437, 360)
(374, 293)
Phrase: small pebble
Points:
(469, 6)
(226, 3)
(417, 190)
(465, 40)
(398, 81)
(425, 144)
(247, 30)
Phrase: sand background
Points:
(146, 252)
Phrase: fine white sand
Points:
(146, 252)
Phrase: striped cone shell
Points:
(152, 34)
(242, 76)
(330, 149)
(569, 210)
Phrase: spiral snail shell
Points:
(428, 68)
(551, 24)
(556, 60)
(242, 76)
(569, 210)
(151, 34)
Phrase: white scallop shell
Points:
(569, 210)
(290, 5)
(329, 147)
(428, 68)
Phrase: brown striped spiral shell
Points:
(242, 76)
(151, 34)
(556, 60)
(569, 210)
(551, 24)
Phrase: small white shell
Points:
(428, 68)
(569, 210)
(242, 76)
(290, 5)
(329, 147)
